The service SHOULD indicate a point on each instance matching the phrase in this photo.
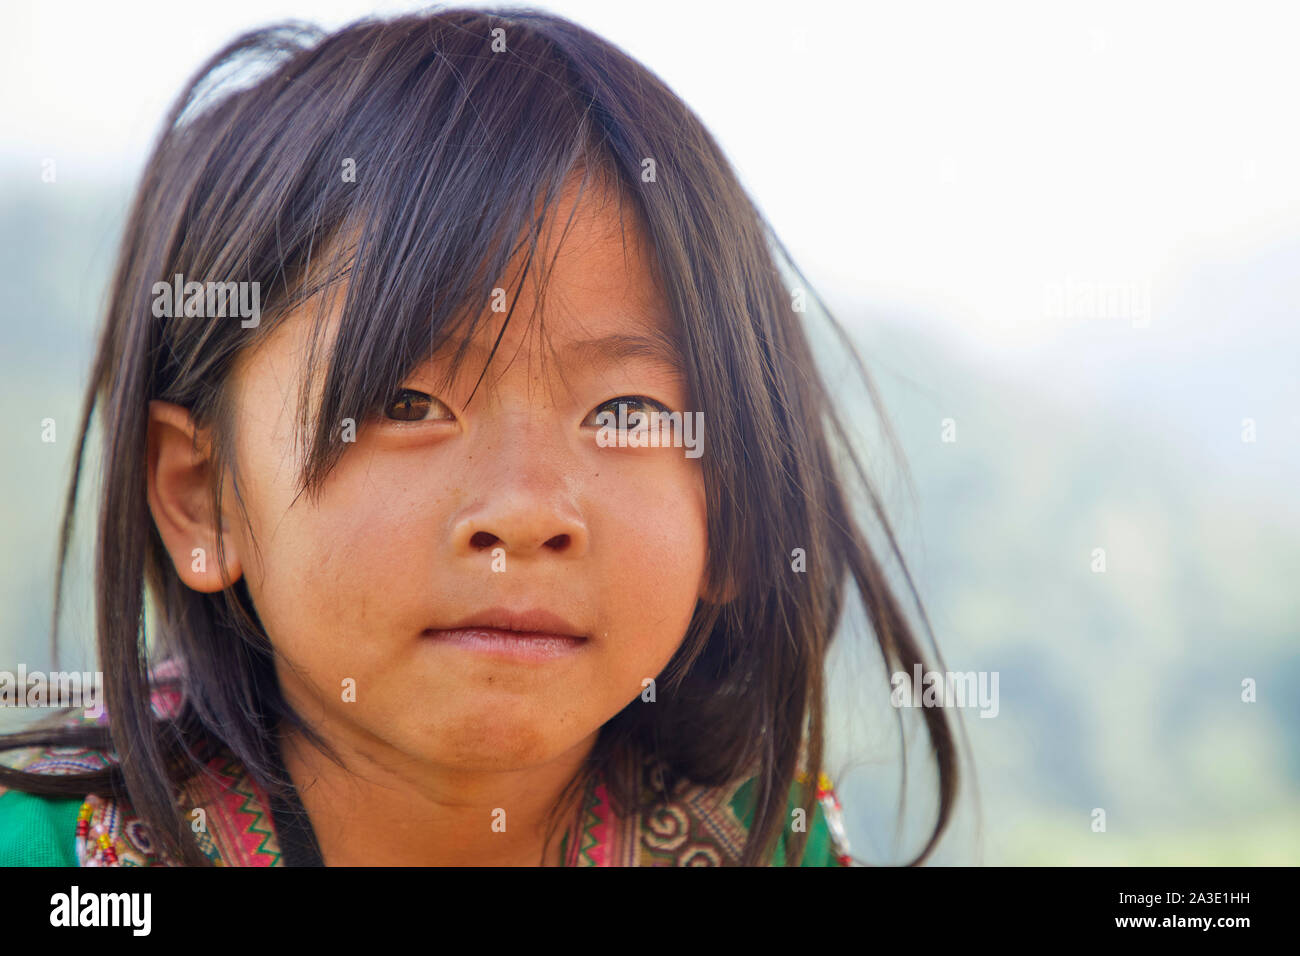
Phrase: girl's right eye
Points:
(408, 405)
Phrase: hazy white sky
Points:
(951, 159)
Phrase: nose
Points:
(521, 525)
(528, 505)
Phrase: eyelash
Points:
(626, 399)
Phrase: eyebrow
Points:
(657, 347)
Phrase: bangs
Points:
(438, 172)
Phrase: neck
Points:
(382, 808)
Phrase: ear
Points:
(179, 471)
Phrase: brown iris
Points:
(409, 406)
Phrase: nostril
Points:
(482, 540)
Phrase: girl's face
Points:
(507, 502)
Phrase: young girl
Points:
(388, 332)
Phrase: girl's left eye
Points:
(408, 405)
(637, 408)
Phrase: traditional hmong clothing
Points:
(243, 826)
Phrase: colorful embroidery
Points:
(234, 828)
(698, 826)
(592, 846)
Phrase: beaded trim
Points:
(98, 826)
(834, 814)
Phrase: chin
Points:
(503, 739)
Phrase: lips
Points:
(534, 622)
(519, 636)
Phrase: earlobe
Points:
(179, 472)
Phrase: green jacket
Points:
(38, 831)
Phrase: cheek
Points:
(653, 530)
(657, 528)
(332, 568)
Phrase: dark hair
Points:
(454, 144)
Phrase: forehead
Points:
(590, 293)
(596, 263)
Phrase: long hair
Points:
(461, 128)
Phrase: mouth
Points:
(520, 635)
